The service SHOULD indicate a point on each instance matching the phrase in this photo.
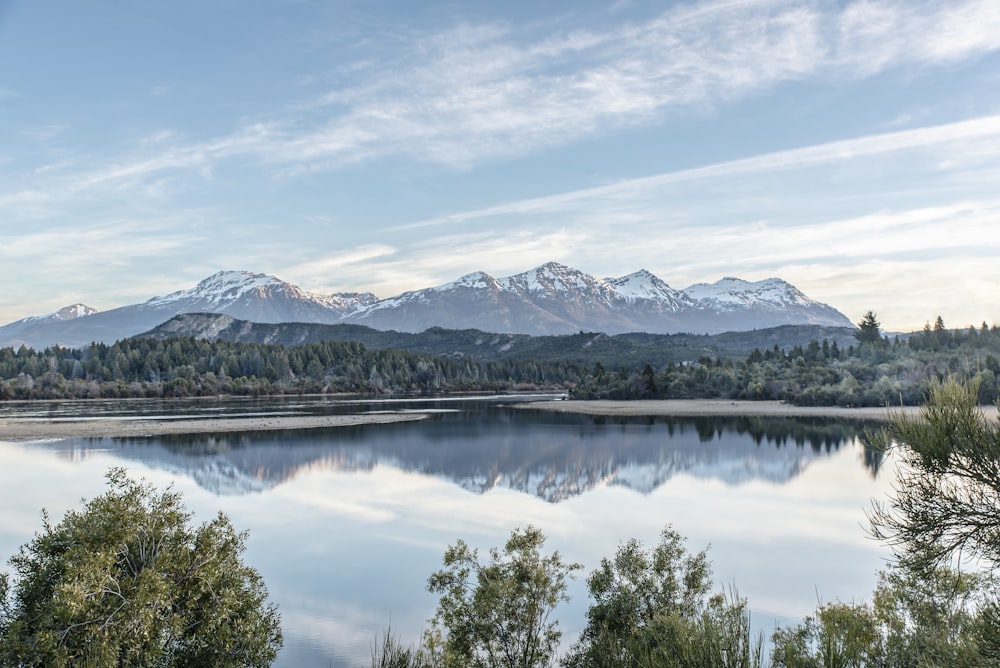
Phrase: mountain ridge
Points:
(549, 299)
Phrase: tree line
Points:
(875, 371)
(184, 367)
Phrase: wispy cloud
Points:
(981, 136)
(479, 92)
(330, 272)
(101, 253)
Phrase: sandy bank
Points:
(713, 407)
(19, 429)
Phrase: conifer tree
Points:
(869, 329)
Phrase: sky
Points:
(851, 148)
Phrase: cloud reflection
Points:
(349, 528)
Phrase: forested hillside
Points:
(872, 371)
(613, 351)
(181, 367)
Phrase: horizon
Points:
(851, 149)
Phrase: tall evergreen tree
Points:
(869, 329)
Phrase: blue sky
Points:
(851, 148)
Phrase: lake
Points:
(346, 524)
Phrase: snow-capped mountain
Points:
(25, 330)
(240, 294)
(556, 299)
(549, 299)
(646, 289)
(260, 298)
(769, 302)
(735, 293)
(70, 312)
(557, 282)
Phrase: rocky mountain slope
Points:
(619, 350)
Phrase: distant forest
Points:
(873, 371)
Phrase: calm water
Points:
(346, 524)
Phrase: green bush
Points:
(126, 582)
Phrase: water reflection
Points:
(550, 455)
(346, 524)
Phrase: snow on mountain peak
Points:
(477, 280)
(553, 278)
(648, 288)
(221, 286)
(234, 284)
(736, 292)
(552, 298)
(225, 289)
(71, 312)
(74, 311)
(641, 284)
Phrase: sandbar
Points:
(20, 429)
(721, 407)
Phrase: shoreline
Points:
(29, 429)
(724, 407)
(33, 429)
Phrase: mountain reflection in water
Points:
(346, 524)
(480, 447)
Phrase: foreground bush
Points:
(498, 613)
(653, 608)
(913, 622)
(126, 582)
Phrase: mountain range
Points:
(550, 299)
